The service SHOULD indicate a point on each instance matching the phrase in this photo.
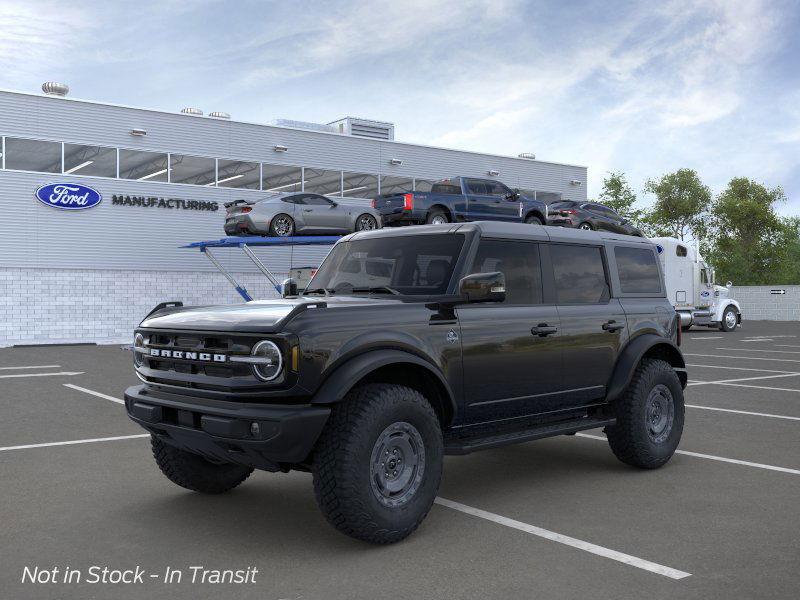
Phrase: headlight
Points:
(138, 342)
(271, 363)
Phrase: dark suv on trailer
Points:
(588, 216)
(410, 344)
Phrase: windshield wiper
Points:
(381, 289)
(324, 291)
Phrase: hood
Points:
(262, 316)
(720, 291)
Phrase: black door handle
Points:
(543, 330)
(612, 326)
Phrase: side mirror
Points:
(512, 195)
(289, 288)
(483, 287)
(334, 204)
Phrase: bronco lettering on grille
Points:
(202, 356)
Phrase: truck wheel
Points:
(194, 472)
(649, 416)
(281, 225)
(378, 463)
(437, 216)
(533, 220)
(729, 320)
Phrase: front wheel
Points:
(729, 320)
(366, 222)
(378, 463)
(193, 472)
(649, 416)
(281, 226)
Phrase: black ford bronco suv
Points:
(410, 344)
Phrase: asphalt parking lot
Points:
(559, 518)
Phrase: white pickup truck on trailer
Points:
(692, 290)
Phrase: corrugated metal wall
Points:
(123, 237)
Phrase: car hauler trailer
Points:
(692, 290)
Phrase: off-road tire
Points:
(437, 212)
(343, 462)
(272, 230)
(533, 220)
(629, 438)
(194, 472)
(723, 326)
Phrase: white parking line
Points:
(758, 340)
(713, 337)
(566, 540)
(93, 393)
(741, 357)
(694, 382)
(31, 367)
(71, 442)
(712, 457)
(41, 374)
(744, 412)
(761, 387)
(739, 368)
(755, 350)
(787, 346)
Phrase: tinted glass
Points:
(360, 185)
(519, 262)
(681, 251)
(195, 170)
(495, 188)
(414, 265)
(144, 166)
(33, 155)
(316, 200)
(548, 197)
(280, 178)
(321, 181)
(638, 272)
(446, 186)
(476, 186)
(90, 160)
(238, 174)
(580, 277)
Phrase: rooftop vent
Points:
(51, 88)
(377, 130)
(219, 115)
(192, 111)
(527, 155)
(303, 125)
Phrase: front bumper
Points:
(224, 431)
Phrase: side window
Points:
(316, 200)
(495, 188)
(638, 271)
(519, 262)
(293, 199)
(579, 274)
(476, 186)
(446, 186)
(681, 250)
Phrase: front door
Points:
(593, 325)
(511, 352)
(322, 214)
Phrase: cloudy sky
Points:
(641, 87)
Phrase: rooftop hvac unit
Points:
(192, 111)
(217, 114)
(51, 88)
(303, 125)
(377, 130)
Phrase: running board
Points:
(467, 445)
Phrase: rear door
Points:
(593, 324)
(511, 350)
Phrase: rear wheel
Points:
(533, 220)
(281, 226)
(586, 226)
(366, 222)
(437, 216)
(649, 416)
(729, 320)
(194, 472)
(378, 463)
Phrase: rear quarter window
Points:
(638, 271)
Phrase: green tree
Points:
(617, 194)
(750, 243)
(682, 202)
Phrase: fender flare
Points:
(632, 354)
(345, 376)
(724, 305)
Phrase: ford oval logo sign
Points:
(68, 196)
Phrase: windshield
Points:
(412, 265)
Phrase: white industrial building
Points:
(69, 276)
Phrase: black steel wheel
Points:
(366, 222)
(282, 225)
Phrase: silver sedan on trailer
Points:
(286, 214)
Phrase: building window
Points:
(96, 161)
(359, 185)
(396, 185)
(194, 170)
(321, 181)
(33, 155)
(237, 174)
(144, 166)
(280, 178)
(423, 185)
